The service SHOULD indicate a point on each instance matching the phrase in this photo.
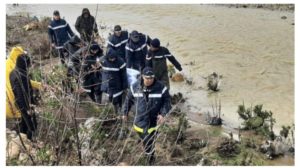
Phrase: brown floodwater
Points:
(252, 48)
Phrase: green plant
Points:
(53, 103)
(257, 119)
(36, 74)
(43, 154)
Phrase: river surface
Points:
(252, 48)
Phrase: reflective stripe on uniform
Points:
(114, 69)
(162, 56)
(87, 90)
(159, 56)
(59, 47)
(110, 69)
(58, 27)
(148, 58)
(141, 130)
(122, 66)
(117, 94)
(155, 95)
(163, 91)
(127, 48)
(138, 129)
(150, 130)
(135, 94)
(140, 48)
(119, 44)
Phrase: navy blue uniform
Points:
(118, 43)
(158, 61)
(136, 52)
(92, 75)
(59, 33)
(114, 79)
(150, 102)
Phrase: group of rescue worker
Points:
(100, 72)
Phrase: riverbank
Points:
(198, 145)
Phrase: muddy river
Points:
(252, 48)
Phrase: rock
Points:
(215, 162)
(214, 81)
(203, 162)
(177, 77)
(95, 162)
(123, 164)
(12, 150)
(216, 121)
(89, 123)
(23, 158)
(275, 148)
(292, 150)
(14, 146)
(189, 81)
(283, 17)
(176, 98)
(280, 147)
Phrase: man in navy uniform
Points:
(152, 100)
(118, 40)
(59, 32)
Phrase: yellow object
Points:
(138, 129)
(11, 109)
(141, 130)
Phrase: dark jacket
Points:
(71, 46)
(118, 43)
(75, 60)
(86, 26)
(91, 76)
(149, 104)
(59, 32)
(114, 77)
(157, 60)
(136, 52)
(21, 86)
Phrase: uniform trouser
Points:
(28, 125)
(149, 144)
(93, 84)
(138, 66)
(95, 93)
(164, 78)
(60, 52)
(116, 100)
